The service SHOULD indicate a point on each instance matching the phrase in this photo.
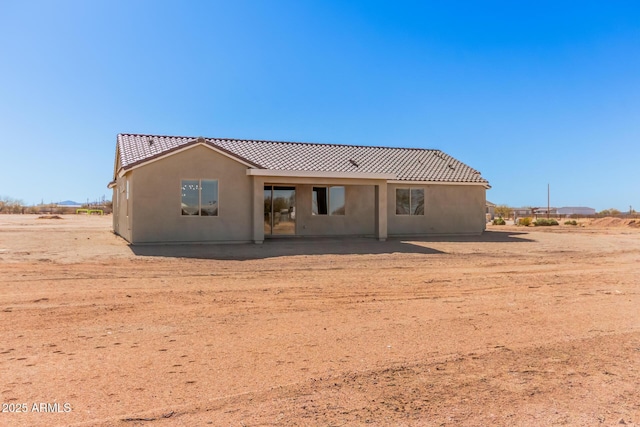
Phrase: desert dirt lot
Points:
(521, 326)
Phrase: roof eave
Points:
(408, 181)
(318, 174)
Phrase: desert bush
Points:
(33, 210)
(609, 212)
(10, 205)
(503, 211)
(572, 222)
(545, 222)
(526, 221)
(499, 221)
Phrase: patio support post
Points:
(258, 209)
(381, 211)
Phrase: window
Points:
(327, 201)
(200, 197)
(124, 188)
(409, 201)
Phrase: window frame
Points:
(410, 211)
(328, 194)
(124, 188)
(199, 180)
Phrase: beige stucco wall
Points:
(358, 220)
(122, 207)
(114, 213)
(156, 199)
(449, 209)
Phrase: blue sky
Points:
(529, 93)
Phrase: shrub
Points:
(545, 222)
(609, 212)
(499, 221)
(524, 221)
(572, 222)
(503, 211)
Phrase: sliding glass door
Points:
(279, 210)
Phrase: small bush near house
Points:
(572, 222)
(504, 211)
(543, 222)
(524, 221)
(499, 221)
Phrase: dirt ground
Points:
(518, 327)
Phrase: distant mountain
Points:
(68, 203)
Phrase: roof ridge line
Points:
(326, 144)
(159, 136)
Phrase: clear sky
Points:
(529, 93)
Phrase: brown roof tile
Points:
(407, 164)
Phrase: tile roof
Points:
(407, 164)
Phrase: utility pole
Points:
(548, 200)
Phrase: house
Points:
(524, 212)
(545, 211)
(490, 210)
(577, 211)
(173, 189)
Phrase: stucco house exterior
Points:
(490, 211)
(173, 189)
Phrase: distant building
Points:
(523, 212)
(566, 211)
(581, 211)
(490, 210)
(544, 211)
